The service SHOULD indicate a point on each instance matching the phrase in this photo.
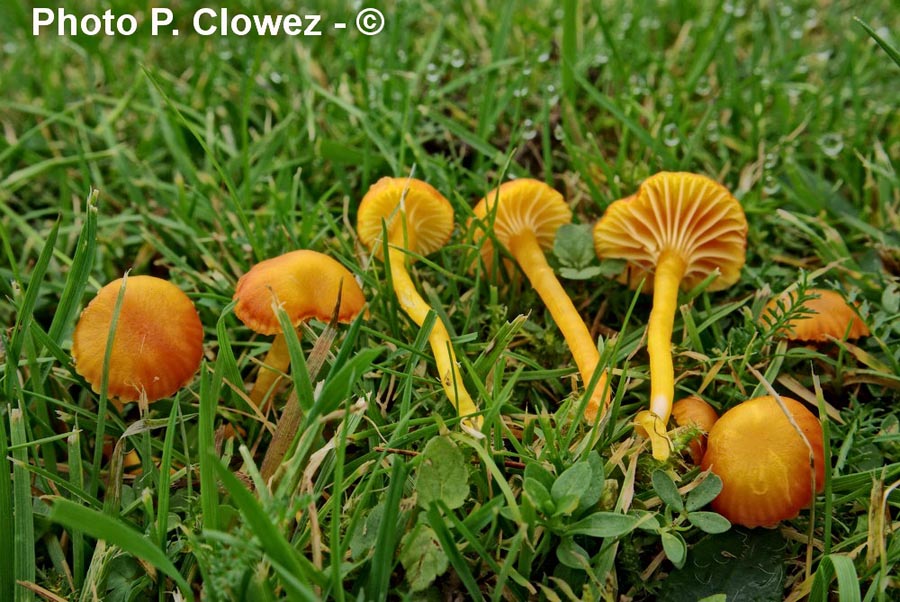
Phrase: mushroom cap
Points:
(518, 206)
(763, 462)
(676, 211)
(831, 316)
(158, 343)
(306, 283)
(693, 410)
(427, 214)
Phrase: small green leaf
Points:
(666, 489)
(535, 470)
(422, 557)
(586, 273)
(366, 533)
(574, 245)
(443, 474)
(574, 481)
(675, 548)
(566, 505)
(572, 555)
(709, 522)
(703, 493)
(539, 495)
(597, 482)
(604, 524)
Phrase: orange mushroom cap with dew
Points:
(306, 285)
(524, 215)
(682, 228)
(694, 411)
(830, 316)
(417, 219)
(763, 461)
(158, 343)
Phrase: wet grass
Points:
(193, 158)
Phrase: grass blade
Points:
(7, 535)
(24, 521)
(114, 531)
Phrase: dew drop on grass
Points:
(670, 135)
(558, 132)
(520, 92)
(771, 186)
(544, 57)
(786, 10)
(831, 144)
(703, 88)
(276, 77)
(457, 59)
(712, 132)
(528, 131)
(600, 59)
(771, 161)
(796, 33)
(526, 71)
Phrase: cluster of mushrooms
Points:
(677, 231)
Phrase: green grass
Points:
(193, 158)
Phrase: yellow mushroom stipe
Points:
(418, 219)
(526, 215)
(681, 228)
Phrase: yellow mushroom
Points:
(681, 228)
(417, 219)
(524, 215)
(306, 284)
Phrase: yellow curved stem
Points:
(669, 272)
(439, 339)
(277, 361)
(528, 253)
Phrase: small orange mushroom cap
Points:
(676, 211)
(158, 342)
(428, 216)
(518, 206)
(763, 462)
(694, 411)
(831, 316)
(305, 282)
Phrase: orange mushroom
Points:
(306, 284)
(417, 220)
(524, 216)
(696, 412)
(158, 342)
(829, 317)
(763, 461)
(682, 228)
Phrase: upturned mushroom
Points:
(158, 341)
(764, 463)
(307, 285)
(524, 215)
(417, 220)
(681, 228)
(827, 316)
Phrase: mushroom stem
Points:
(277, 361)
(669, 272)
(528, 253)
(439, 339)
